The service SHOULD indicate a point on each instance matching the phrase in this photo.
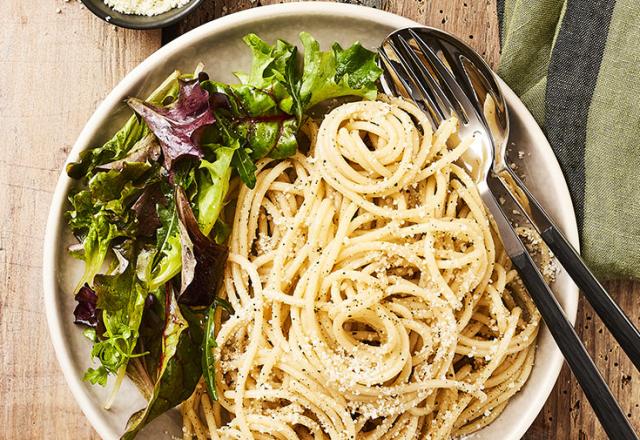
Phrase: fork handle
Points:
(611, 314)
(613, 420)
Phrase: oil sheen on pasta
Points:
(372, 298)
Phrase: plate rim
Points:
(153, 61)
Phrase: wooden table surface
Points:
(57, 62)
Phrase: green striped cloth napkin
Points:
(576, 66)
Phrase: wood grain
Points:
(567, 414)
(56, 67)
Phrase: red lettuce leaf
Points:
(86, 311)
(203, 260)
(175, 126)
(145, 210)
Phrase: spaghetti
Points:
(372, 297)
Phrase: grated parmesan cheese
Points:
(145, 7)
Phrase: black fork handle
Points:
(611, 314)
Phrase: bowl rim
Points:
(152, 22)
(155, 60)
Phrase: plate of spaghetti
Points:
(288, 253)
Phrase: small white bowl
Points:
(218, 44)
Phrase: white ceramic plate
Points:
(218, 44)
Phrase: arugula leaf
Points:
(208, 358)
(167, 257)
(180, 368)
(245, 167)
(175, 126)
(213, 183)
(336, 73)
(208, 344)
(168, 220)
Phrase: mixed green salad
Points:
(147, 210)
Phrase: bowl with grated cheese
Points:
(142, 14)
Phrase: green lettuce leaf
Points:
(121, 297)
(95, 248)
(274, 70)
(128, 206)
(336, 73)
(213, 183)
(264, 113)
(101, 212)
(180, 368)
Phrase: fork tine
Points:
(448, 82)
(391, 68)
(422, 76)
(392, 71)
(441, 113)
(404, 75)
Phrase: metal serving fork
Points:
(477, 80)
(420, 64)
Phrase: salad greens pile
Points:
(148, 210)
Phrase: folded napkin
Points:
(576, 66)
